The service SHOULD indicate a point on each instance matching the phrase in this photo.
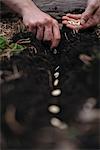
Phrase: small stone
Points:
(54, 109)
(56, 92)
(56, 74)
(56, 82)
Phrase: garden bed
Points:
(28, 80)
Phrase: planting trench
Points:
(48, 95)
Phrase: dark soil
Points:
(31, 95)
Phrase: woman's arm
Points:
(41, 24)
(20, 6)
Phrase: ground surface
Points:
(27, 80)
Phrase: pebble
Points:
(56, 74)
(54, 109)
(56, 82)
(56, 92)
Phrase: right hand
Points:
(43, 26)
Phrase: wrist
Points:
(28, 7)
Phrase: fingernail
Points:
(82, 21)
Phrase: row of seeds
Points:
(55, 109)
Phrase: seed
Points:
(78, 22)
(56, 68)
(56, 92)
(55, 51)
(56, 74)
(75, 23)
(66, 36)
(58, 123)
(54, 109)
(55, 122)
(56, 82)
(71, 22)
(74, 32)
(63, 126)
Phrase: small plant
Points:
(16, 48)
(3, 43)
(7, 49)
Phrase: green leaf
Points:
(16, 48)
(3, 43)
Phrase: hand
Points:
(42, 25)
(72, 21)
(90, 17)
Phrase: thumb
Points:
(87, 14)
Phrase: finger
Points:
(94, 20)
(71, 26)
(74, 16)
(48, 35)
(68, 25)
(56, 35)
(65, 22)
(89, 23)
(32, 28)
(88, 13)
(39, 34)
(66, 18)
(70, 18)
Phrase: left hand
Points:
(90, 17)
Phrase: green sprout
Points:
(3, 43)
